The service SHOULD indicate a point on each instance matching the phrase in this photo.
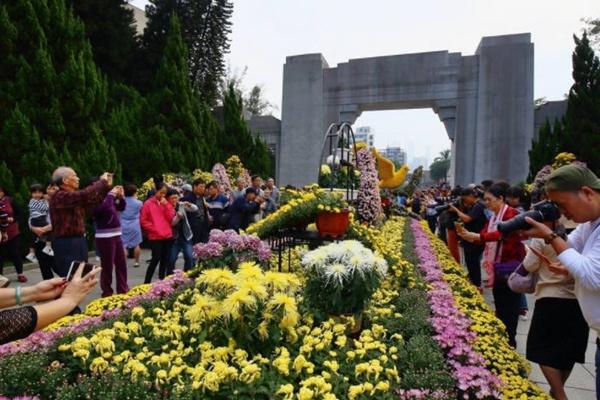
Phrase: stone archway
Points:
(485, 102)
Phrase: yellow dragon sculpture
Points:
(389, 178)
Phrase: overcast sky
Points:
(266, 31)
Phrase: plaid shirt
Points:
(67, 209)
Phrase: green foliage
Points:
(205, 26)
(440, 166)
(52, 97)
(545, 147)
(236, 138)
(175, 111)
(582, 119)
(579, 130)
(110, 28)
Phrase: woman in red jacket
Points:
(499, 249)
(156, 216)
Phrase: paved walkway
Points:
(580, 386)
(582, 382)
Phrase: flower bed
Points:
(250, 334)
(487, 335)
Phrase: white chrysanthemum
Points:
(336, 274)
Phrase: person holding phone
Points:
(61, 296)
(67, 213)
(109, 243)
(182, 231)
(156, 218)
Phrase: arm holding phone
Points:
(20, 322)
(74, 292)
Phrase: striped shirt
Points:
(38, 208)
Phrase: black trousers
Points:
(161, 256)
(11, 249)
(473, 261)
(66, 250)
(507, 309)
(46, 262)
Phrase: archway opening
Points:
(416, 134)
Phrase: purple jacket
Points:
(106, 217)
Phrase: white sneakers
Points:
(48, 250)
(4, 281)
(31, 257)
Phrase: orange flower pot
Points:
(333, 224)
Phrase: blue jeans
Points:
(188, 256)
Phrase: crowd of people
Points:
(169, 221)
(546, 243)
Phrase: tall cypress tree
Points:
(110, 28)
(545, 147)
(582, 119)
(175, 110)
(236, 138)
(206, 27)
(53, 96)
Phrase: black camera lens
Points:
(542, 211)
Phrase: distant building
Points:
(396, 154)
(140, 18)
(364, 134)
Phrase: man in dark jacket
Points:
(242, 210)
(198, 220)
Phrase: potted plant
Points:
(333, 215)
(341, 278)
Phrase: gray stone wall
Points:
(485, 102)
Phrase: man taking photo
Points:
(576, 191)
(473, 219)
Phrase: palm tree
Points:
(440, 166)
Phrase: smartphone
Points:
(87, 268)
(539, 255)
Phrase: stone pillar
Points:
(301, 119)
(504, 108)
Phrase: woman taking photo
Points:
(500, 252)
(156, 217)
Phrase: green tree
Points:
(545, 147)
(174, 110)
(52, 95)
(593, 30)
(206, 27)
(440, 166)
(110, 28)
(255, 103)
(582, 118)
(236, 138)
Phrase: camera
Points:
(542, 211)
(444, 207)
